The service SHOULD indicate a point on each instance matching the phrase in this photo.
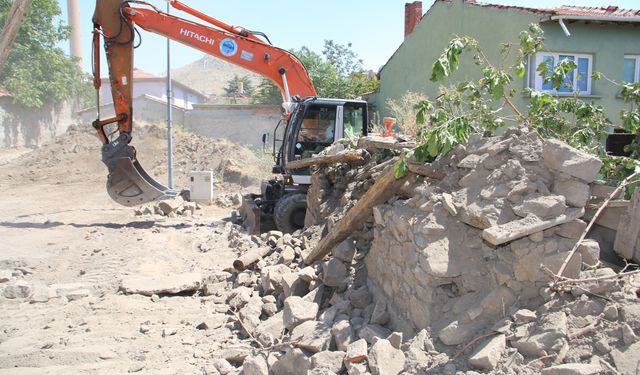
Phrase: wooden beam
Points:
(372, 143)
(250, 257)
(14, 20)
(341, 157)
(383, 189)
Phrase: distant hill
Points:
(210, 75)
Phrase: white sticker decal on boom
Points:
(198, 37)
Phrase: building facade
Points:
(145, 83)
(605, 40)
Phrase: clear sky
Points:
(374, 27)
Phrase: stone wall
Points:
(429, 261)
(30, 127)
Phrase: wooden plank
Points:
(341, 157)
(372, 143)
(383, 189)
(499, 234)
(425, 170)
(14, 18)
(628, 229)
(610, 217)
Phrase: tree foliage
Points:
(37, 72)
(337, 72)
(267, 93)
(239, 86)
(484, 105)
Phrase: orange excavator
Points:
(310, 124)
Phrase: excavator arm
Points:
(116, 21)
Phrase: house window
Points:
(579, 79)
(631, 68)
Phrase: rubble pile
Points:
(170, 207)
(449, 275)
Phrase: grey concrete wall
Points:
(31, 127)
(243, 124)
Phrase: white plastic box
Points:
(201, 186)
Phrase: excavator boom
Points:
(116, 21)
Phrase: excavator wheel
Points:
(290, 211)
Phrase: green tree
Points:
(267, 93)
(337, 72)
(239, 86)
(37, 72)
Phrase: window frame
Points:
(536, 80)
(636, 74)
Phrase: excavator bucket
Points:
(128, 183)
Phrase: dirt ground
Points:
(58, 226)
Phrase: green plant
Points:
(485, 105)
(37, 71)
(404, 110)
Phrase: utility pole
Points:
(169, 112)
(16, 15)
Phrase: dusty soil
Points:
(58, 226)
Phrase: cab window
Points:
(353, 120)
(318, 125)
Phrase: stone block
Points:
(488, 354)
(360, 298)
(343, 334)
(577, 193)
(384, 359)
(297, 311)
(572, 229)
(169, 284)
(17, 289)
(626, 359)
(293, 362)
(5, 275)
(293, 285)
(356, 352)
(372, 332)
(573, 369)
(561, 157)
(255, 366)
(334, 273)
(312, 336)
(590, 251)
(543, 206)
(330, 361)
(345, 251)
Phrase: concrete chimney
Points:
(73, 9)
(412, 16)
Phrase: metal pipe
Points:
(564, 27)
(169, 114)
(592, 18)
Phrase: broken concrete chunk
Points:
(384, 359)
(573, 369)
(380, 315)
(343, 334)
(168, 206)
(293, 285)
(293, 362)
(18, 289)
(572, 229)
(576, 192)
(590, 251)
(307, 274)
(297, 311)
(334, 273)
(371, 332)
(330, 361)
(360, 298)
(472, 161)
(455, 333)
(356, 352)
(626, 359)
(345, 251)
(566, 159)
(447, 202)
(170, 284)
(543, 206)
(499, 234)
(312, 336)
(488, 354)
(255, 366)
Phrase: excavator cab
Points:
(314, 125)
